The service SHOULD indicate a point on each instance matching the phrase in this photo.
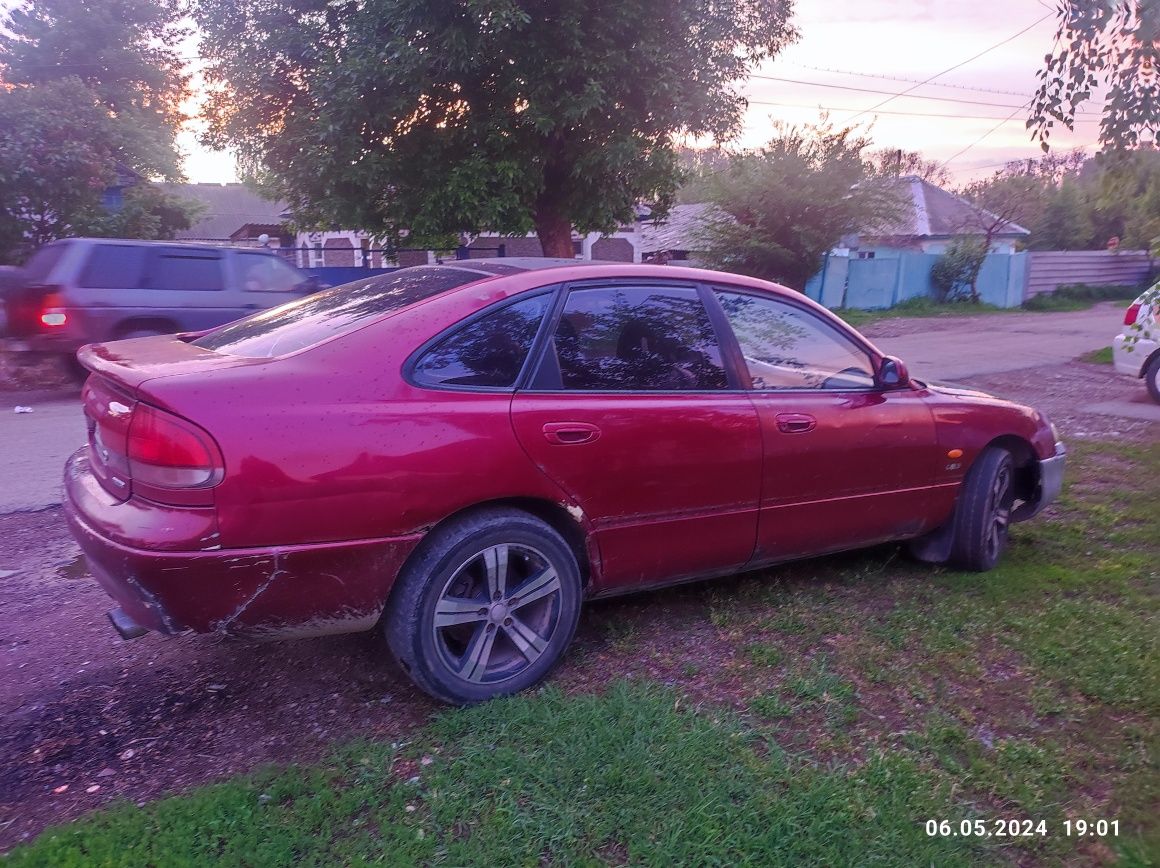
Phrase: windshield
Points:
(310, 320)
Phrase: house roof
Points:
(680, 230)
(228, 207)
(936, 212)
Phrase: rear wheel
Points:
(983, 514)
(486, 607)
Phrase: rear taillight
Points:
(170, 454)
(1131, 313)
(52, 312)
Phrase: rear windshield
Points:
(312, 319)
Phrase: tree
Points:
(1108, 44)
(956, 272)
(57, 155)
(782, 207)
(462, 115)
(895, 162)
(123, 51)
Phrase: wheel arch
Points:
(558, 517)
(1026, 463)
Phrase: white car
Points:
(1136, 350)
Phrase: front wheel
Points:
(1152, 377)
(485, 608)
(983, 513)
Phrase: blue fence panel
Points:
(871, 283)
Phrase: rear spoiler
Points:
(132, 362)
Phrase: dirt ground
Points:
(86, 718)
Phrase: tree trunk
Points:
(555, 232)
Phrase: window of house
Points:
(490, 351)
(634, 339)
(786, 347)
(114, 266)
(866, 254)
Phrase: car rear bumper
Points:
(52, 344)
(1131, 362)
(295, 590)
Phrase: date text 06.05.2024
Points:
(1019, 828)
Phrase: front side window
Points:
(786, 347)
(262, 272)
(636, 339)
(489, 352)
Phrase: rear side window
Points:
(114, 266)
(636, 339)
(186, 271)
(37, 269)
(310, 320)
(490, 351)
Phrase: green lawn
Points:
(876, 694)
(1098, 357)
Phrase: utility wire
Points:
(904, 113)
(911, 80)
(974, 57)
(984, 135)
(1004, 105)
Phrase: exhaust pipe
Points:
(125, 625)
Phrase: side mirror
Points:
(312, 285)
(892, 373)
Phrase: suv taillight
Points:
(1131, 313)
(52, 312)
(171, 459)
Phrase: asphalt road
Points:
(34, 446)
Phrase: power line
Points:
(1005, 105)
(984, 135)
(1035, 23)
(905, 114)
(911, 80)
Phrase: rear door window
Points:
(634, 339)
(114, 266)
(488, 352)
(192, 270)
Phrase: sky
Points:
(855, 54)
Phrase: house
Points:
(233, 213)
(932, 217)
(677, 238)
(880, 266)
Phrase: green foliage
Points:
(471, 114)
(783, 206)
(123, 51)
(955, 271)
(88, 92)
(896, 162)
(1108, 46)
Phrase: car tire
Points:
(138, 333)
(983, 513)
(458, 640)
(1152, 377)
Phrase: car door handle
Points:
(796, 423)
(570, 433)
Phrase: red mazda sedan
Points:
(461, 454)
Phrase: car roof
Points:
(185, 245)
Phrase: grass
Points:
(920, 306)
(880, 693)
(1098, 357)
